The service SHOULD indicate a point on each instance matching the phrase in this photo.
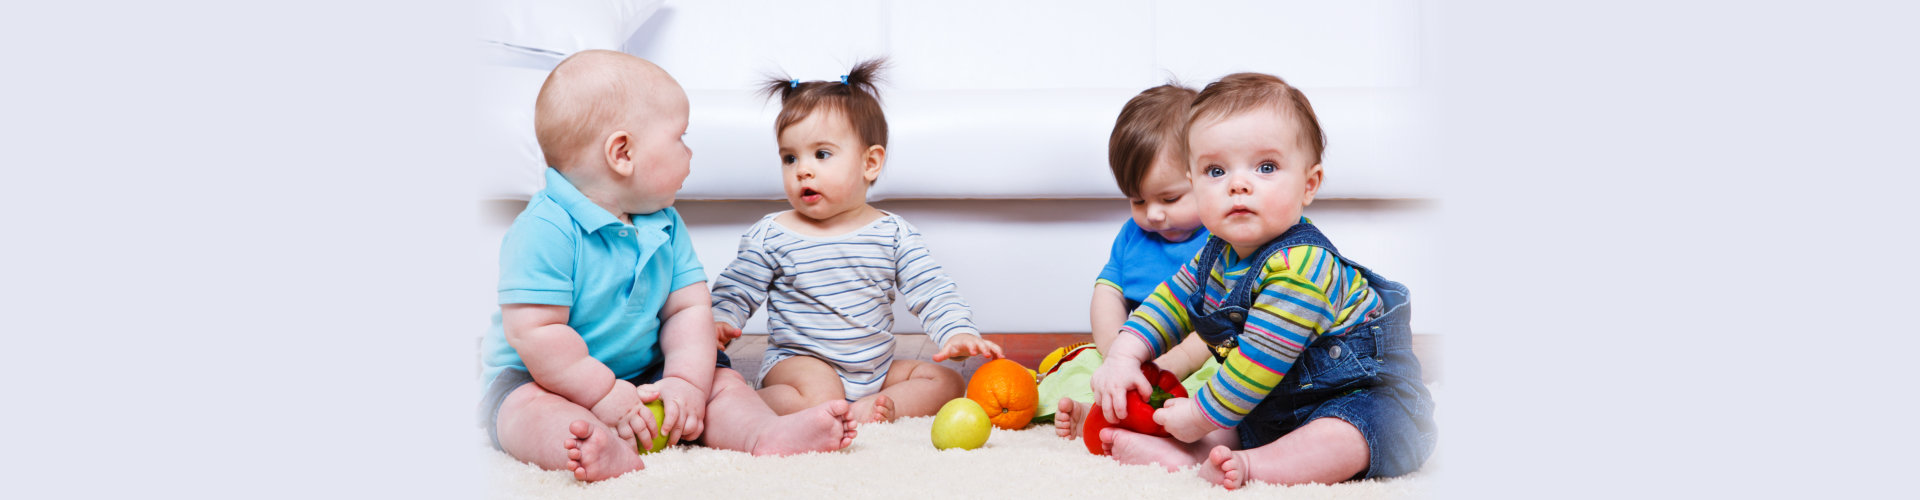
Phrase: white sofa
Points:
(999, 115)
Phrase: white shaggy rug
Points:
(897, 459)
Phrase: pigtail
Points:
(780, 86)
(865, 76)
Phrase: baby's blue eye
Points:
(1215, 171)
(822, 154)
(1267, 168)
(788, 159)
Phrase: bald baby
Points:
(594, 94)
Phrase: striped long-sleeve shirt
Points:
(832, 297)
(1304, 292)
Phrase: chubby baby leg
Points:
(737, 419)
(553, 433)
(919, 388)
(1130, 447)
(1326, 451)
(800, 382)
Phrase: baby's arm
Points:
(1108, 312)
(933, 296)
(968, 345)
(742, 286)
(686, 339)
(557, 358)
(1109, 309)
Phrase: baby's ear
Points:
(1313, 184)
(876, 159)
(618, 151)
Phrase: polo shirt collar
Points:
(585, 211)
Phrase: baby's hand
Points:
(685, 406)
(1181, 417)
(616, 409)
(1117, 375)
(964, 345)
(725, 333)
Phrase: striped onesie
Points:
(1304, 292)
(832, 297)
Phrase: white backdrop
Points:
(1013, 101)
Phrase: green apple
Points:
(962, 424)
(659, 418)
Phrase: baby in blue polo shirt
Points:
(603, 306)
(1164, 232)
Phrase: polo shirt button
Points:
(623, 232)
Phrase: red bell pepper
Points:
(1090, 430)
(1139, 409)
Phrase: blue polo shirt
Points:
(564, 250)
(1141, 260)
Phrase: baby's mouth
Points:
(808, 194)
(1239, 211)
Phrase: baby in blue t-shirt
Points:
(1164, 233)
(603, 306)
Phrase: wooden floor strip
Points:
(1024, 348)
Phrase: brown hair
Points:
(1241, 92)
(1151, 124)
(855, 96)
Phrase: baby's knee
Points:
(1390, 442)
(726, 379)
(1347, 452)
(944, 377)
(816, 390)
(528, 399)
(723, 376)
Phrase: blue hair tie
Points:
(843, 79)
(793, 84)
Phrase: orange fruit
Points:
(1007, 391)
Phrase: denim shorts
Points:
(512, 378)
(1369, 378)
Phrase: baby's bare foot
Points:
(826, 427)
(594, 454)
(1226, 468)
(1067, 419)
(1130, 447)
(878, 408)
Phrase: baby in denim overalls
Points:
(1318, 381)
